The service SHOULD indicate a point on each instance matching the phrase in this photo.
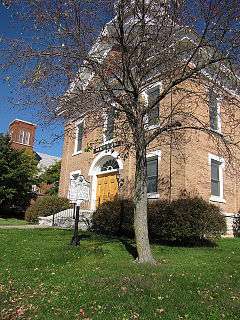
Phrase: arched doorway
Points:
(107, 184)
(104, 171)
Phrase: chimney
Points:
(22, 134)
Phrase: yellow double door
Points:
(107, 187)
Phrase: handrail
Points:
(68, 213)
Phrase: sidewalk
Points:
(27, 226)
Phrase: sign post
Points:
(79, 192)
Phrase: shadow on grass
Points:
(187, 243)
(84, 236)
(130, 244)
(130, 247)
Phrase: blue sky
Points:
(45, 135)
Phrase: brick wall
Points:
(15, 130)
(186, 160)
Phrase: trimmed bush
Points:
(185, 219)
(46, 206)
(114, 218)
(236, 225)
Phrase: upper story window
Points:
(109, 125)
(152, 174)
(152, 97)
(24, 137)
(217, 165)
(214, 112)
(79, 137)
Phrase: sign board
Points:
(79, 189)
(107, 146)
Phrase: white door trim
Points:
(95, 168)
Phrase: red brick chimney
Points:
(22, 134)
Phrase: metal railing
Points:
(68, 213)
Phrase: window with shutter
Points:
(152, 174)
(215, 177)
(214, 111)
(24, 137)
(110, 125)
(153, 114)
(79, 137)
(217, 165)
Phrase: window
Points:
(217, 165)
(214, 111)
(79, 137)
(152, 97)
(152, 174)
(109, 125)
(215, 178)
(24, 137)
(110, 165)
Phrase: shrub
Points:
(236, 225)
(16, 213)
(114, 218)
(46, 206)
(185, 219)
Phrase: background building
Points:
(22, 134)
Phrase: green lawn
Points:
(11, 222)
(42, 277)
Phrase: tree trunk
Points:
(140, 212)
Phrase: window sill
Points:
(153, 195)
(152, 127)
(217, 131)
(217, 199)
(76, 153)
(23, 144)
(106, 142)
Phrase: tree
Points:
(51, 176)
(17, 175)
(190, 47)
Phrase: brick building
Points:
(22, 134)
(194, 165)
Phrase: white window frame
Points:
(145, 96)
(75, 152)
(219, 120)
(105, 124)
(154, 195)
(24, 134)
(105, 141)
(221, 177)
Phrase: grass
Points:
(42, 277)
(11, 222)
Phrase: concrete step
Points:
(64, 219)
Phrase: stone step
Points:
(62, 221)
